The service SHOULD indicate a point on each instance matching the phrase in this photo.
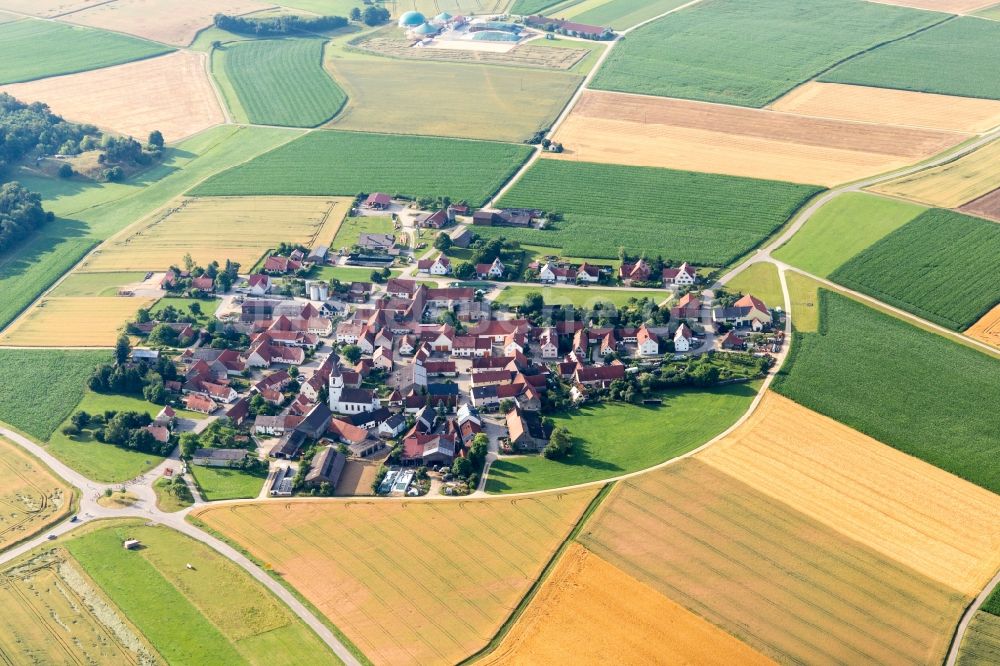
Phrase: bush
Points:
(66, 171)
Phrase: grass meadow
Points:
(908, 388)
(959, 57)
(940, 266)
(762, 281)
(96, 284)
(612, 439)
(842, 228)
(331, 162)
(578, 297)
(31, 49)
(706, 219)
(352, 227)
(749, 54)
(277, 82)
(220, 483)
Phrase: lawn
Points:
(762, 281)
(578, 297)
(612, 439)
(277, 82)
(706, 219)
(749, 54)
(206, 307)
(900, 269)
(345, 163)
(842, 228)
(959, 57)
(41, 387)
(221, 483)
(172, 494)
(352, 228)
(908, 388)
(194, 605)
(32, 49)
(96, 284)
(345, 273)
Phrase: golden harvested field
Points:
(950, 6)
(408, 582)
(238, 228)
(910, 511)
(981, 645)
(599, 614)
(715, 138)
(891, 107)
(953, 184)
(987, 329)
(31, 497)
(129, 99)
(73, 322)
(176, 22)
(789, 586)
(47, 8)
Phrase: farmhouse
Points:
(377, 201)
(747, 311)
(429, 449)
(377, 242)
(508, 217)
(439, 266)
(326, 467)
(682, 276)
(634, 272)
(525, 430)
(683, 338)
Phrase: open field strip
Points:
(409, 581)
(96, 284)
(618, 14)
(500, 103)
(912, 512)
(209, 613)
(350, 230)
(981, 646)
(597, 613)
(31, 496)
(577, 297)
(891, 107)
(28, 49)
(842, 228)
(73, 322)
(951, 6)
(47, 8)
(733, 52)
(784, 583)
(278, 82)
(762, 281)
(238, 228)
(175, 22)
(129, 99)
(885, 377)
(714, 138)
(987, 328)
(951, 184)
(958, 57)
(992, 12)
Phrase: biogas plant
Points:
(458, 32)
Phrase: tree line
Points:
(273, 26)
(21, 213)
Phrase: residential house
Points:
(747, 311)
(392, 426)
(203, 283)
(629, 273)
(551, 273)
(683, 338)
(382, 358)
(688, 306)
(199, 403)
(648, 342)
(682, 276)
(438, 266)
(525, 430)
(377, 201)
(492, 271)
(259, 285)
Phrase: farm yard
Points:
(987, 329)
(842, 228)
(580, 298)
(643, 437)
(499, 103)
(987, 206)
(418, 166)
(885, 378)
(957, 57)
(789, 586)
(951, 184)
(241, 229)
(277, 82)
(600, 614)
(344, 557)
(899, 268)
(31, 497)
(72, 322)
(27, 53)
(680, 134)
(891, 107)
(732, 52)
(705, 219)
(128, 98)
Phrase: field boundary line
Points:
(220, 99)
(966, 619)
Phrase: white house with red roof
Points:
(647, 341)
(683, 338)
(681, 276)
(439, 266)
(259, 284)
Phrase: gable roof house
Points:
(688, 306)
(326, 467)
(747, 311)
(648, 342)
(377, 201)
(637, 272)
(682, 276)
(683, 338)
(438, 266)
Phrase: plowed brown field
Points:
(600, 615)
(987, 329)
(133, 98)
(176, 22)
(904, 508)
(417, 582)
(950, 6)
(789, 586)
(891, 107)
(987, 206)
(715, 138)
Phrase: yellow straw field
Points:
(73, 322)
(215, 229)
(408, 582)
(987, 329)
(601, 615)
(30, 496)
(953, 184)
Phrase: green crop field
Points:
(278, 82)
(941, 266)
(616, 438)
(219, 483)
(705, 219)
(959, 57)
(620, 14)
(41, 387)
(330, 162)
(990, 12)
(32, 49)
(908, 388)
(210, 613)
(578, 297)
(527, 7)
(842, 228)
(749, 53)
